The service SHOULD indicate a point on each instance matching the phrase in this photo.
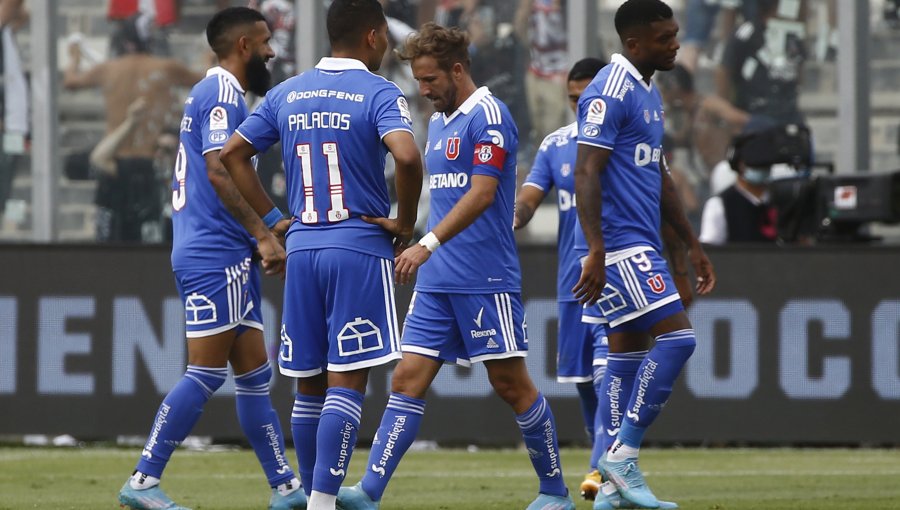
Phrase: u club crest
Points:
(451, 150)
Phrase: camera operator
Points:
(742, 213)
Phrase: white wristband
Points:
(430, 242)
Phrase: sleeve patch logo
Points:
(590, 130)
(489, 154)
(485, 153)
(404, 110)
(218, 119)
(218, 136)
(596, 111)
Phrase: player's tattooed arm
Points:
(232, 198)
(673, 214)
(527, 202)
(677, 252)
(591, 162)
(235, 180)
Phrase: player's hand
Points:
(685, 291)
(593, 279)
(280, 229)
(402, 234)
(408, 262)
(703, 268)
(273, 255)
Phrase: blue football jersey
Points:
(205, 234)
(480, 138)
(553, 166)
(621, 112)
(331, 121)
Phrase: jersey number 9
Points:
(179, 194)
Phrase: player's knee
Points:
(408, 382)
(513, 390)
(256, 379)
(314, 386)
(208, 379)
(684, 341)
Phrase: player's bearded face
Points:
(259, 79)
(435, 84)
(443, 102)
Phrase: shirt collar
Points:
(221, 71)
(753, 199)
(620, 59)
(340, 64)
(572, 130)
(468, 104)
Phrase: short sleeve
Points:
(541, 175)
(217, 125)
(391, 111)
(599, 120)
(260, 129)
(492, 137)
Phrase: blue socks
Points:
(336, 438)
(177, 415)
(539, 432)
(304, 428)
(654, 381)
(398, 429)
(614, 391)
(598, 438)
(588, 400)
(260, 423)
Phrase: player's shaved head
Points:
(229, 25)
(635, 15)
(448, 46)
(349, 20)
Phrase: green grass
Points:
(702, 479)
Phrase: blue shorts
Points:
(466, 328)
(220, 300)
(575, 345)
(339, 312)
(636, 287)
(601, 343)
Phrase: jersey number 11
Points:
(337, 211)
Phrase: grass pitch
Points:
(702, 479)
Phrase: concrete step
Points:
(68, 192)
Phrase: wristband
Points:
(273, 217)
(430, 242)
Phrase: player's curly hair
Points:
(447, 46)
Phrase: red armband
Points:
(489, 154)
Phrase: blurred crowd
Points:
(740, 69)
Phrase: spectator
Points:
(130, 206)
(134, 74)
(700, 16)
(542, 24)
(760, 69)
(13, 97)
(280, 16)
(704, 125)
(742, 213)
(153, 19)
(498, 62)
